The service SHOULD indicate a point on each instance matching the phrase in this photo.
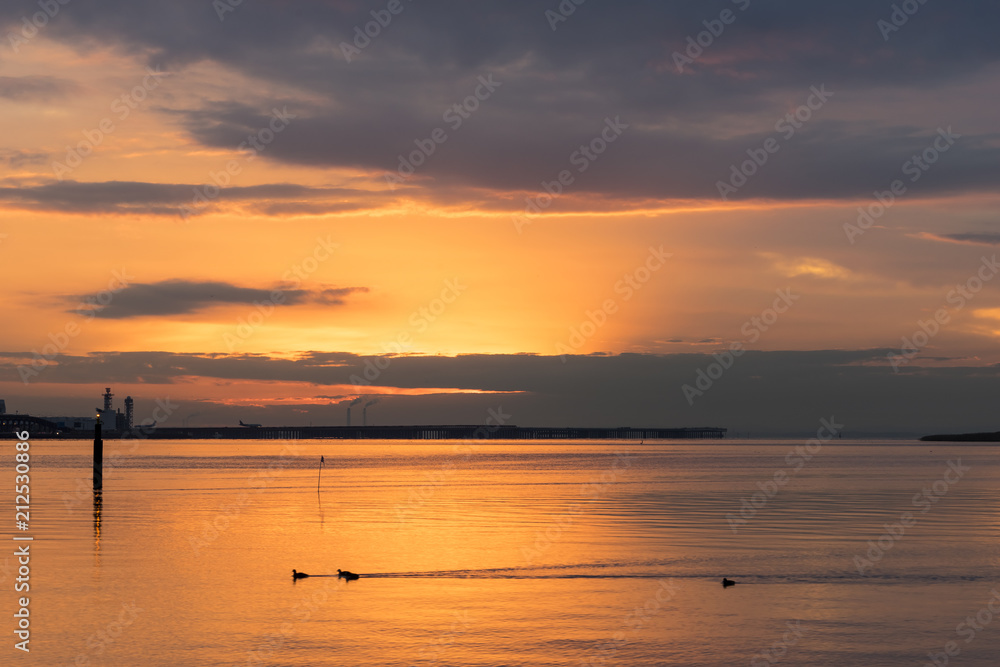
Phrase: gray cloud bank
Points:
(176, 199)
(607, 60)
(177, 297)
(763, 392)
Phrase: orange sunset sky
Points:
(468, 284)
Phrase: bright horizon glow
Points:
(362, 266)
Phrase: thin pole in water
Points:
(320, 477)
(98, 457)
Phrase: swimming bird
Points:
(350, 576)
(299, 575)
(727, 582)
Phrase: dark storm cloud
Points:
(127, 197)
(34, 88)
(177, 297)
(828, 159)
(764, 392)
(609, 43)
(606, 60)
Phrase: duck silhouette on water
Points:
(350, 576)
(726, 583)
(299, 575)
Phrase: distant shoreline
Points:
(963, 437)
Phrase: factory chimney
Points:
(351, 405)
(129, 412)
(107, 399)
(364, 412)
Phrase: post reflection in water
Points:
(527, 553)
(98, 501)
(319, 495)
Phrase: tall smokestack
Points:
(107, 399)
(351, 405)
(364, 412)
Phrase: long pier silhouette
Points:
(448, 432)
(45, 429)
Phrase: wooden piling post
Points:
(98, 457)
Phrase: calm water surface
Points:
(511, 554)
